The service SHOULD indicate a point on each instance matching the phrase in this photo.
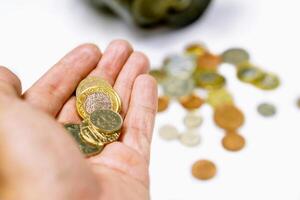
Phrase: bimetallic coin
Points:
(233, 141)
(249, 74)
(191, 102)
(163, 103)
(168, 132)
(266, 109)
(235, 56)
(209, 80)
(106, 121)
(158, 74)
(228, 117)
(204, 170)
(85, 148)
(268, 82)
(177, 87)
(209, 61)
(219, 97)
(192, 120)
(190, 138)
(196, 49)
(91, 82)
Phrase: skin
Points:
(39, 160)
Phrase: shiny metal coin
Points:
(209, 80)
(106, 121)
(266, 109)
(190, 138)
(168, 132)
(249, 74)
(177, 87)
(268, 82)
(235, 56)
(192, 120)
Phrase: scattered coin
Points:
(176, 87)
(209, 61)
(196, 49)
(168, 132)
(190, 138)
(219, 97)
(191, 102)
(266, 109)
(268, 82)
(163, 103)
(204, 170)
(209, 79)
(233, 141)
(192, 120)
(235, 56)
(298, 103)
(249, 74)
(158, 74)
(228, 117)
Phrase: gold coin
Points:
(95, 98)
(191, 102)
(249, 74)
(219, 97)
(233, 141)
(204, 170)
(196, 49)
(208, 79)
(268, 82)
(163, 103)
(91, 82)
(209, 61)
(228, 117)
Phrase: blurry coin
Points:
(196, 49)
(168, 132)
(268, 82)
(209, 80)
(192, 120)
(298, 102)
(249, 74)
(266, 109)
(209, 61)
(191, 102)
(106, 121)
(233, 141)
(219, 97)
(86, 149)
(228, 117)
(158, 74)
(204, 170)
(176, 87)
(190, 138)
(235, 56)
(163, 103)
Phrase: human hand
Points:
(39, 160)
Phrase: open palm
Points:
(42, 160)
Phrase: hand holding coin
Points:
(37, 154)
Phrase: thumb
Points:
(10, 85)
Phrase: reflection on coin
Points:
(219, 97)
(163, 103)
(204, 169)
(192, 120)
(268, 82)
(228, 117)
(168, 132)
(196, 49)
(97, 101)
(266, 109)
(106, 121)
(158, 74)
(235, 56)
(176, 87)
(89, 82)
(249, 74)
(190, 138)
(209, 80)
(233, 141)
(86, 149)
(209, 61)
(191, 102)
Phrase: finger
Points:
(57, 85)
(137, 64)
(10, 84)
(113, 60)
(68, 113)
(139, 121)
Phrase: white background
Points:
(34, 34)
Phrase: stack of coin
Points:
(99, 106)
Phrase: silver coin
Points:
(97, 101)
(266, 109)
(235, 56)
(168, 132)
(192, 120)
(177, 87)
(190, 138)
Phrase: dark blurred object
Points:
(149, 13)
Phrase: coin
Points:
(163, 103)
(177, 87)
(190, 138)
(191, 102)
(219, 97)
(158, 74)
(268, 82)
(233, 141)
(192, 120)
(235, 56)
(89, 82)
(249, 74)
(86, 149)
(204, 169)
(266, 109)
(97, 97)
(209, 61)
(298, 102)
(168, 132)
(106, 121)
(209, 80)
(196, 49)
(228, 117)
